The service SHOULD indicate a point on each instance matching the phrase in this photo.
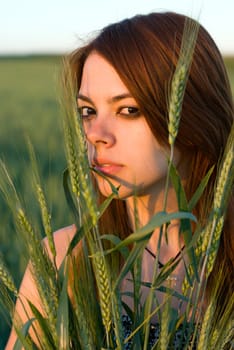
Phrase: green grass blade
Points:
(44, 327)
(115, 190)
(88, 225)
(165, 272)
(185, 225)
(167, 290)
(116, 241)
(87, 315)
(199, 191)
(133, 255)
(22, 337)
(63, 317)
(74, 210)
(41, 199)
(117, 313)
(127, 309)
(144, 233)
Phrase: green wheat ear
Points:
(179, 79)
(221, 196)
(6, 277)
(176, 100)
(104, 290)
(102, 277)
(72, 159)
(225, 178)
(42, 270)
(205, 327)
(46, 219)
(41, 199)
(76, 149)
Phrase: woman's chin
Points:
(107, 189)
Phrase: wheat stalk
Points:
(45, 215)
(177, 90)
(205, 329)
(103, 290)
(225, 179)
(214, 245)
(80, 309)
(6, 277)
(164, 334)
(117, 312)
(179, 79)
(40, 265)
(177, 93)
(76, 148)
(84, 172)
(221, 195)
(46, 219)
(71, 159)
(228, 335)
(78, 161)
(82, 187)
(213, 340)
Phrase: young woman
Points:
(123, 78)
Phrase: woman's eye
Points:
(86, 112)
(129, 111)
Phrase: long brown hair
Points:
(144, 50)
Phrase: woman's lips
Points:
(107, 167)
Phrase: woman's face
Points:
(120, 142)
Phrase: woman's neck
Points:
(146, 207)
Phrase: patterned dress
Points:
(179, 341)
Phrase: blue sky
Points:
(32, 26)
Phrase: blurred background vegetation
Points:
(29, 106)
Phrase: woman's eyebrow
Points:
(110, 100)
(84, 98)
(119, 97)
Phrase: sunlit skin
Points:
(122, 146)
(120, 142)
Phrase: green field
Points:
(229, 62)
(29, 95)
(29, 106)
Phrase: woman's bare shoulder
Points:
(62, 239)
(67, 233)
(68, 230)
(28, 289)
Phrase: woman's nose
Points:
(100, 132)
